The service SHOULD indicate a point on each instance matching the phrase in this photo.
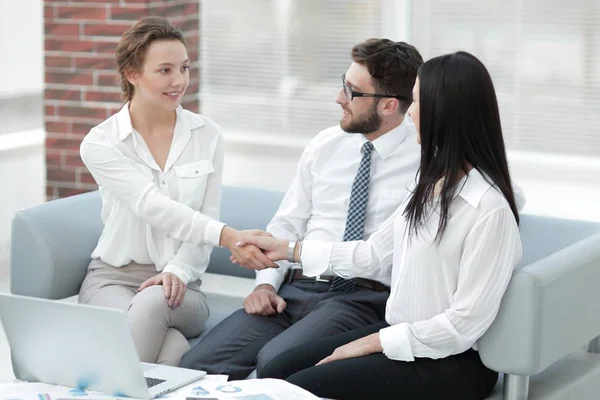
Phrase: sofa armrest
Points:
(51, 245)
(550, 309)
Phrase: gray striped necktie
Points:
(357, 209)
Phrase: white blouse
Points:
(166, 218)
(443, 296)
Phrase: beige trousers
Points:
(160, 333)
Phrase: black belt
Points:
(296, 274)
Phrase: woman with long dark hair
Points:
(452, 246)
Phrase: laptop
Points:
(84, 347)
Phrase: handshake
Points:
(254, 249)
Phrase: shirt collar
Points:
(124, 122)
(186, 121)
(473, 186)
(389, 141)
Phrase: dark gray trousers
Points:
(242, 342)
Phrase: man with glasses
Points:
(350, 179)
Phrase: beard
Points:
(366, 123)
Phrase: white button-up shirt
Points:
(166, 218)
(315, 206)
(443, 297)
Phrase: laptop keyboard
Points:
(153, 381)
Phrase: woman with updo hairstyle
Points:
(159, 170)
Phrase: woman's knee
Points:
(150, 301)
(278, 365)
(270, 367)
(174, 346)
(306, 380)
(191, 316)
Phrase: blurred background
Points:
(268, 71)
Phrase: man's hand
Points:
(274, 249)
(254, 232)
(264, 300)
(249, 232)
(249, 256)
(359, 348)
(174, 287)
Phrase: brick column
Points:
(81, 83)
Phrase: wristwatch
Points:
(290, 252)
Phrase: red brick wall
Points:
(81, 84)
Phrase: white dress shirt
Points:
(166, 218)
(315, 206)
(443, 297)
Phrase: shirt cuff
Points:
(178, 272)
(396, 343)
(341, 261)
(315, 257)
(212, 233)
(272, 276)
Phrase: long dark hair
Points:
(459, 124)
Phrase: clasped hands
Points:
(265, 300)
(254, 249)
(258, 250)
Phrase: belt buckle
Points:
(318, 279)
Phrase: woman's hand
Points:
(275, 249)
(174, 287)
(249, 257)
(359, 348)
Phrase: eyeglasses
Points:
(351, 94)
